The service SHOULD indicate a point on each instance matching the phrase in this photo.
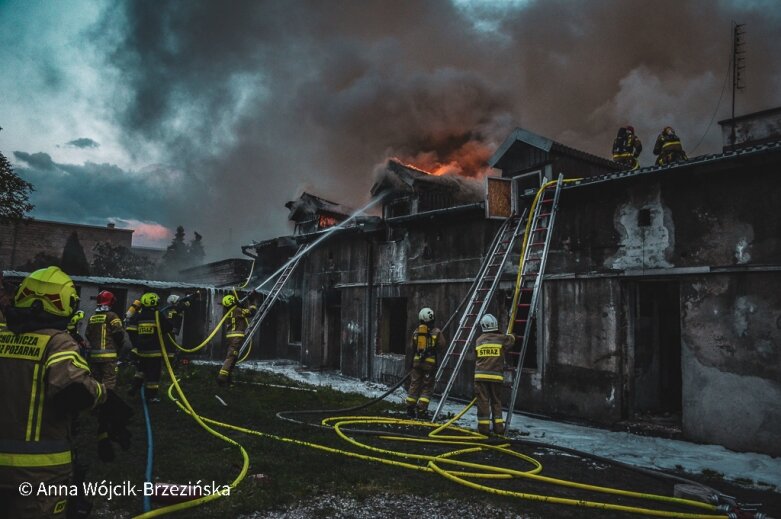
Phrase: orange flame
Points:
(468, 160)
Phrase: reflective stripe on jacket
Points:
(34, 436)
(101, 329)
(490, 349)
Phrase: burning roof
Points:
(309, 206)
(405, 179)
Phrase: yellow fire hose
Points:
(205, 341)
(525, 243)
(463, 441)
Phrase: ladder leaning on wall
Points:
(534, 256)
(482, 291)
(268, 302)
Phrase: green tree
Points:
(14, 193)
(195, 252)
(40, 261)
(74, 261)
(119, 262)
(175, 257)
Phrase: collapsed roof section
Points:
(407, 190)
(312, 213)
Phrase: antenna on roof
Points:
(738, 68)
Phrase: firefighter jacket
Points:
(2, 322)
(39, 372)
(626, 147)
(147, 341)
(105, 335)
(238, 321)
(667, 143)
(175, 317)
(490, 350)
(428, 345)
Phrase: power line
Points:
(718, 104)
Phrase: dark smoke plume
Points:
(251, 99)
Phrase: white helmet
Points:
(172, 299)
(488, 323)
(426, 315)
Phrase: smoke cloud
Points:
(253, 99)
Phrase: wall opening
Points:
(120, 303)
(393, 325)
(294, 312)
(332, 329)
(193, 322)
(657, 358)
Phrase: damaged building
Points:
(661, 300)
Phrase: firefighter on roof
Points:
(235, 330)
(627, 147)
(490, 350)
(105, 335)
(668, 148)
(147, 346)
(43, 383)
(428, 345)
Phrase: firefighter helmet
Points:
(426, 315)
(630, 129)
(52, 288)
(172, 299)
(488, 323)
(106, 298)
(150, 299)
(229, 300)
(78, 316)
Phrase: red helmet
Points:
(106, 298)
(631, 129)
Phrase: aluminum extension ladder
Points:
(268, 302)
(482, 291)
(530, 277)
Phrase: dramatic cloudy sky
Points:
(213, 114)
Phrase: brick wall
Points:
(21, 241)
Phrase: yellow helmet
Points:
(53, 288)
(229, 300)
(150, 299)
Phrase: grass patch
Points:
(186, 453)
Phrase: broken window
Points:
(393, 325)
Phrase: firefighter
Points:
(147, 346)
(490, 350)
(43, 383)
(668, 148)
(73, 330)
(627, 147)
(235, 329)
(130, 325)
(106, 336)
(428, 345)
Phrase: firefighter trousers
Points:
(148, 373)
(421, 386)
(489, 405)
(105, 372)
(234, 344)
